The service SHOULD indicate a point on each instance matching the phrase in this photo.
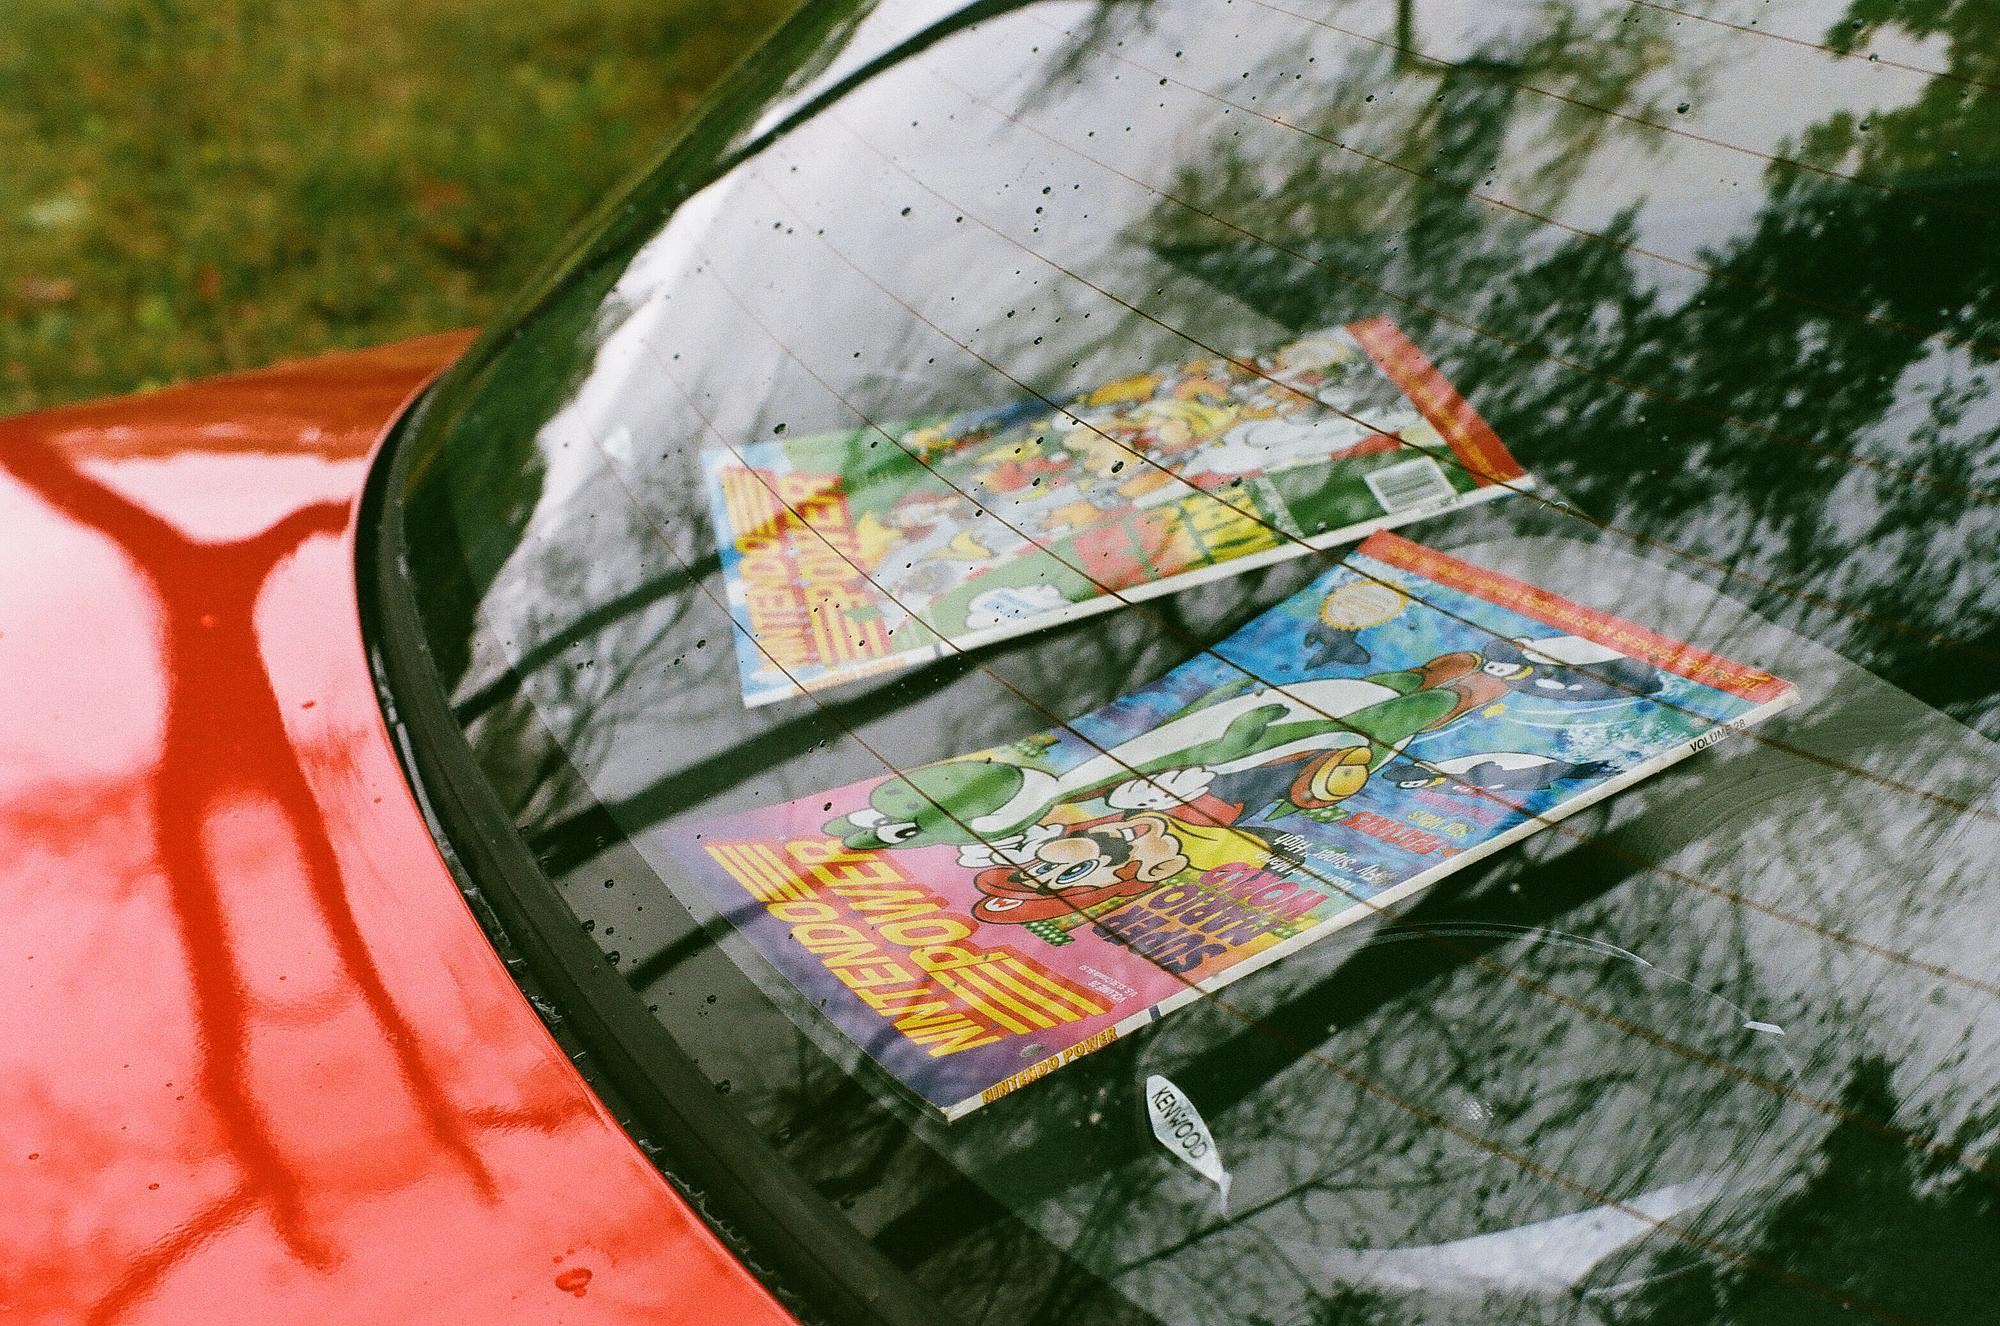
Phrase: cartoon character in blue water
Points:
(1494, 771)
(1568, 667)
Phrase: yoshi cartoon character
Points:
(1336, 730)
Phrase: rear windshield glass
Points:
(900, 579)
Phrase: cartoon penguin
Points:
(1329, 644)
(1496, 771)
(1568, 667)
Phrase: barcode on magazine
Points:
(1409, 483)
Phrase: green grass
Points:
(194, 186)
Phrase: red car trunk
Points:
(262, 1065)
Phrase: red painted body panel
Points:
(259, 1062)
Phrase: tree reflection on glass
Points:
(1719, 1049)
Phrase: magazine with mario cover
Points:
(976, 923)
(850, 554)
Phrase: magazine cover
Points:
(849, 554)
(976, 923)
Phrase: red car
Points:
(358, 712)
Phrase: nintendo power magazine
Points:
(851, 554)
(974, 924)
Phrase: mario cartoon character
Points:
(1065, 869)
(1079, 867)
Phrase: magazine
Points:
(976, 923)
(851, 554)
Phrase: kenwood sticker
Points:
(1178, 1126)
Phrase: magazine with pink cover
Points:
(976, 923)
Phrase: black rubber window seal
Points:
(795, 1241)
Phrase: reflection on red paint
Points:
(224, 737)
(266, 1058)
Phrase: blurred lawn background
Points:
(195, 186)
